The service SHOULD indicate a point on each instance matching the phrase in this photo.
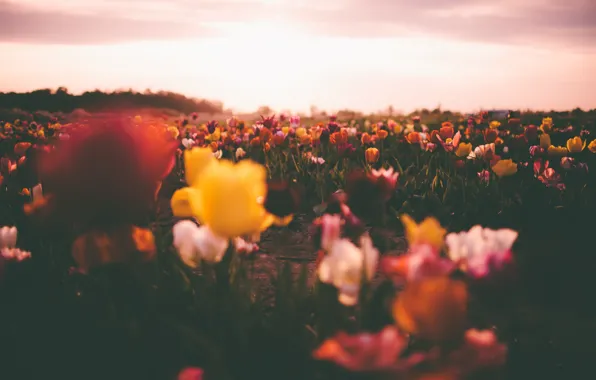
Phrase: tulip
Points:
(382, 134)
(547, 125)
(479, 249)
(228, 198)
(557, 151)
(21, 148)
(504, 168)
(365, 139)
(531, 132)
(429, 232)
(240, 153)
(372, 155)
(484, 176)
(545, 141)
(433, 309)
(345, 265)
(8, 237)
(446, 131)
(463, 149)
(413, 138)
(575, 145)
(195, 243)
(592, 146)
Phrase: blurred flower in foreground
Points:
(345, 264)
(191, 373)
(479, 250)
(363, 352)
(8, 242)
(383, 354)
(386, 179)
(422, 260)
(106, 175)
(282, 202)
(195, 243)
(433, 309)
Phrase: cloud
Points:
(26, 25)
(569, 24)
(557, 23)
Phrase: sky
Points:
(290, 54)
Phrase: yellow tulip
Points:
(504, 168)
(592, 146)
(215, 136)
(428, 232)
(196, 160)
(300, 132)
(575, 144)
(463, 150)
(285, 130)
(547, 124)
(495, 124)
(545, 141)
(557, 151)
(228, 198)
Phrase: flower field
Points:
(448, 247)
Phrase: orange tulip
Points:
(372, 155)
(382, 134)
(365, 139)
(446, 131)
(21, 148)
(305, 140)
(278, 139)
(255, 142)
(413, 138)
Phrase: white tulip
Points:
(195, 243)
(240, 153)
(480, 247)
(188, 143)
(8, 237)
(343, 267)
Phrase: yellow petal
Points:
(186, 203)
(196, 160)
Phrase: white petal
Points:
(210, 246)
(37, 192)
(184, 233)
(348, 294)
(324, 269)
(8, 237)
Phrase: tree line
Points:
(60, 100)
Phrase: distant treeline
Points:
(62, 101)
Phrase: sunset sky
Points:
(290, 54)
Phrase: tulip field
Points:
(387, 247)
